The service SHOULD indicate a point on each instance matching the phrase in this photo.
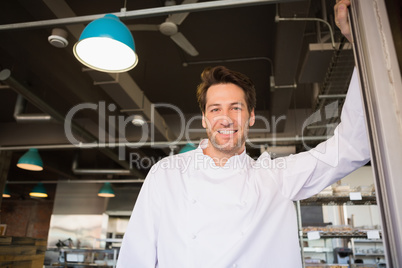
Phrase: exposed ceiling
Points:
(292, 64)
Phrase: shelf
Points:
(346, 234)
(317, 250)
(88, 257)
(370, 255)
(337, 200)
(368, 241)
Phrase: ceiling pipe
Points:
(278, 19)
(143, 13)
(158, 144)
(20, 117)
(324, 10)
(5, 76)
(77, 181)
(186, 63)
(326, 126)
(81, 171)
(332, 96)
(120, 172)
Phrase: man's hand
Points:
(341, 18)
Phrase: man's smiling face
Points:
(226, 118)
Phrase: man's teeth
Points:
(226, 132)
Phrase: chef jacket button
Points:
(193, 201)
(234, 265)
(194, 236)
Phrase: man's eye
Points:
(237, 108)
(215, 110)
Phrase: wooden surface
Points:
(21, 252)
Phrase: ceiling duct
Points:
(82, 171)
(5, 76)
(20, 117)
(131, 99)
(316, 62)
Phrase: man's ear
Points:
(204, 124)
(252, 118)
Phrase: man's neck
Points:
(221, 157)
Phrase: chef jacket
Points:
(191, 213)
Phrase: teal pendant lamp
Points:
(6, 193)
(106, 190)
(106, 45)
(39, 191)
(31, 160)
(188, 147)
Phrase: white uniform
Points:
(191, 213)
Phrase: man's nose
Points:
(225, 121)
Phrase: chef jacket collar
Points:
(234, 163)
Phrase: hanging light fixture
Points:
(6, 193)
(106, 190)
(187, 147)
(39, 191)
(106, 45)
(138, 120)
(31, 160)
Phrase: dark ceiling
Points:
(288, 72)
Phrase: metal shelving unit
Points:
(375, 252)
(89, 257)
(325, 233)
(338, 200)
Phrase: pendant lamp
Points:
(31, 160)
(39, 191)
(106, 190)
(6, 193)
(187, 147)
(106, 45)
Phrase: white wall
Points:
(78, 213)
(79, 198)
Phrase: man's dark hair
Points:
(222, 75)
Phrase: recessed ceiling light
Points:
(138, 120)
(58, 38)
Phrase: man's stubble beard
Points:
(228, 148)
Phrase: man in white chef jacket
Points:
(215, 207)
